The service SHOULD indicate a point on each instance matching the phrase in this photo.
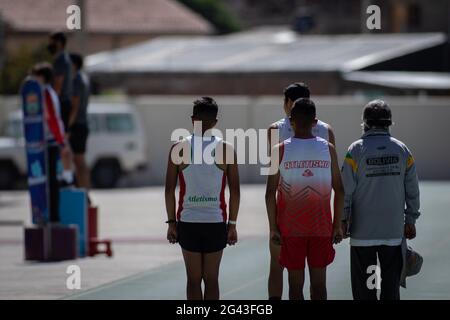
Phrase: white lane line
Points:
(244, 286)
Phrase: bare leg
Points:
(67, 163)
(193, 263)
(81, 171)
(296, 280)
(276, 273)
(318, 278)
(66, 158)
(211, 266)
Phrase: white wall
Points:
(419, 122)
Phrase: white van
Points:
(116, 145)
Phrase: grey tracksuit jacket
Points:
(381, 187)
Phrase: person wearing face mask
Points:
(381, 203)
(62, 84)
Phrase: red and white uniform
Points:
(202, 187)
(304, 192)
(54, 129)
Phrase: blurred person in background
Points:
(78, 131)
(381, 203)
(62, 84)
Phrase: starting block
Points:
(94, 241)
(74, 210)
(52, 242)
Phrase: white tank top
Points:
(305, 188)
(202, 188)
(286, 131)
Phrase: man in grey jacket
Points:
(381, 204)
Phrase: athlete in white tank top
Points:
(202, 187)
(321, 129)
(199, 225)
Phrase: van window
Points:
(14, 129)
(94, 123)
(119, 123)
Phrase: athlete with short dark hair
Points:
(320, 129)
(62, 84)
(300, 216)
(291, 93)
(200, 222)
(62, 70)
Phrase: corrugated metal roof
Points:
(402, 79)
(261, 50)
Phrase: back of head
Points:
(77, 60)
(205, 109)
(43, 70)
(377, 114)
(296, 91)
(59, 37)
(303, 113)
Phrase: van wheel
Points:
(8, 175)
(106, 174)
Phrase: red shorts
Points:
(294, 250)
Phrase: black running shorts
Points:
(202, 237)
(78, 138)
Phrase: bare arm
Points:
(338, 202)
(234, 186)
(232, 173)
(271, 192)
(271, 200)
(331, 137)
(171, 183)
(74, 110)
(58, 84)
(269, 137)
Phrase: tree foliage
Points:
(17, 65)
(216, 13)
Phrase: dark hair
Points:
(205, 109)
(303, 112)
(377, 114)
(296, 91)
(43, 69)
(59, 37)
(77, 60)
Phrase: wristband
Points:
(171, 221)
(232, 222)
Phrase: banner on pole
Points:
(35, 147)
